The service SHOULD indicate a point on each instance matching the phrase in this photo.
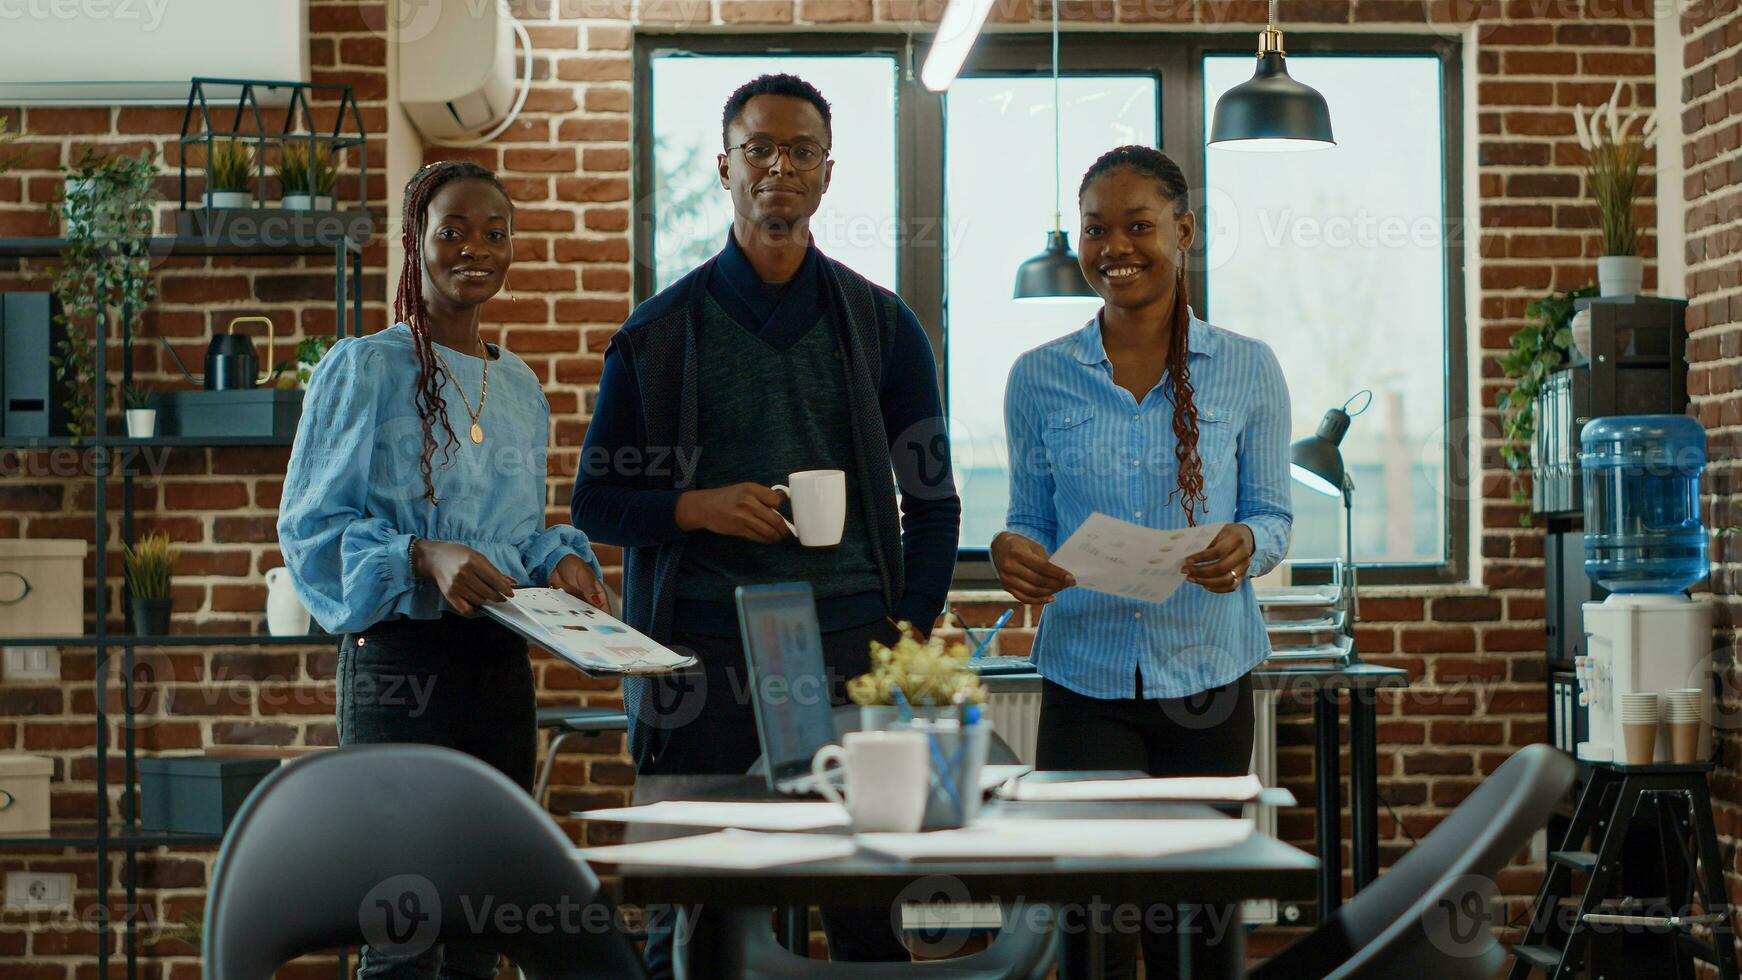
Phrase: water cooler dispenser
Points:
(1644, 543)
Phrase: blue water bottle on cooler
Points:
(1642, 503)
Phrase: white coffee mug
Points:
(887, 778)
(819, 506)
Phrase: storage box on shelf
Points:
(24, 793)
(196, 794)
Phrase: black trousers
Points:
(461, 683)
(1205, 734)
(705, 725)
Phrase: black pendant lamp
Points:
(1054, 274)
(1271, 111)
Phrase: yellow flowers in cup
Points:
(927, 671)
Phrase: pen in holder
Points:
(959, 755)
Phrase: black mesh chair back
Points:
(1469, 847)
(403, 846)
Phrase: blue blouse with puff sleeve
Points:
(353, 496)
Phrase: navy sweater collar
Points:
(779, 317)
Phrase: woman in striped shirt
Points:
(1150, 415)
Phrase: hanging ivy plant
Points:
(105, 269)
(1538, 348)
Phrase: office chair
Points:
(407, 844)
(1401, 918)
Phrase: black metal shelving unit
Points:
(200, 233)
(1636, 365)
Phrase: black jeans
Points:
(1205, 734)
(707, 725)
(465, 684)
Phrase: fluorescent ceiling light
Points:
(955, 37)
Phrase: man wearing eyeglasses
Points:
(768, 359)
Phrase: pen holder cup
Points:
(954, 798)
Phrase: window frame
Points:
(1176, 58)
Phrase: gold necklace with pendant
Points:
(477, 430)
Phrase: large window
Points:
(1336, 259)
(1341, 259)
(692, 211)
(998, 216)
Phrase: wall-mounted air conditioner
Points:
(121, 52)
(456, 69)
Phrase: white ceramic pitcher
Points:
(285, 613)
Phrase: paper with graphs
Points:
(1125, 559)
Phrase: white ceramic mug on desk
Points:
(819, 506)
(888, 775)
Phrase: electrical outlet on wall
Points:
(35, 891)
(31, 664)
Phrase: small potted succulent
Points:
(306, 176)
(141, 417)
(932, 677)
(149, 569)
(228, 167)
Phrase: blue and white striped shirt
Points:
(1080, 444)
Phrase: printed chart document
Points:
(1016, 839)
(588, 637)
(732, 850)
(1182, 789)
(1125, 559)
(785, 815)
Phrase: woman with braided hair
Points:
(1150, 415)
(397, 525)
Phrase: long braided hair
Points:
(1155, 164)
(409, 307)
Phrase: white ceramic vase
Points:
(141, 423)
(285, 613)
(228, 199)
(304, 202)
(1581, 327)
(1620, 275)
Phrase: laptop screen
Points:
(788, 686)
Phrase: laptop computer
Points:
(789, 688)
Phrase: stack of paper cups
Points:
(1639, 726)
(1683, 710)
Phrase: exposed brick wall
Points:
(1474, 651)
(1712, 128)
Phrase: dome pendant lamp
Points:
(1054, 274)
(1271, 112)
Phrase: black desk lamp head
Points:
(1317, 461)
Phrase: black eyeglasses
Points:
(761, 153)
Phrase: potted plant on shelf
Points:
(105, 268)
(1614, 148)
(307, 174)
(1538, 348)
(149, 569)
(228, 165)
(309, 353)
(933, 677)
(141, 417)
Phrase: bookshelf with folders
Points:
(1636, 364)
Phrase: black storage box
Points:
(262, 413)
(196, 794)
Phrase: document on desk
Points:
(787, 815)
(1015, 839)
(731, 850)
(1125, 559)
(1180, 789)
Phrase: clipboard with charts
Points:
(584, 635)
